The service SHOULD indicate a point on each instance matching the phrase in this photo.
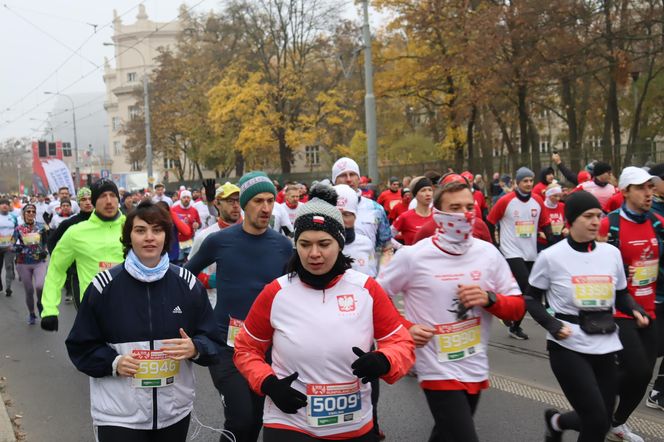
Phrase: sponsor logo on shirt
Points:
(476, 275)
(346, 303)
(533, 213)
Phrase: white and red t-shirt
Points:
(518, 222)
(408, 224)
(363, 252)
(639, 248)
(602, 193)
(188, 215)
(312, 332)
(291, 211)
(428, 278)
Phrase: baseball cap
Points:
(226, 190)
(635, 176)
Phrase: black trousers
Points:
(521, 271)
(589, 383)
(175, 433)
(453, 412)
(659, 322)
(279, 435)
(635, 365)
(243, 409)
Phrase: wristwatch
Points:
(492, 299)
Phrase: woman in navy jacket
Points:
(140, 327)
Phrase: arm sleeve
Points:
(183, 228)
(62, 258)
(393, 339)
(626, 304)
(393, 279)
(536, 309)
(255, 338)
(206, 336)
(204, 257)
(497, 211)
(568, 174)
(86, 345)
(509, 302)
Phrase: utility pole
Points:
(369, 99)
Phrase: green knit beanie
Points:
(253, 183)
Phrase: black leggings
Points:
(635, 365)
(243, 408)
(279, 435)
(589, 383)
(175, 433)
(453, 412)
(521, 270)
(659, 380)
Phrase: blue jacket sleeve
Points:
(207, 336)
(85, 344)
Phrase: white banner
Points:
(58, 175)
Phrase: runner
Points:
(140, 316)
(546, 177)
(638, 233)
(401, 206)
(72, 287)
(291, 200)
(93, 244)
(308, 388)
(160, 195)
(31, 254)
(357, 246)
(583, 281)
(227, 203)
(600, 186)
(279, 221)
(407, 225)
(248, 256)
(452, 285)
(8, 224)
(64, 213)
(189, 215)
(553, 213)
(518, 217)
(391, 196)
(63, 194)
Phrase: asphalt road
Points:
(53, 398)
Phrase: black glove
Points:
(47, 217)
(49, 323)
(370, 366)
(288, 399)
(209, 189)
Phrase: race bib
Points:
(234, 326)
(5, 240)
(458, 340)
(106, 265)
(524, 229)
(155, 369)
(645, 272)
(557, 227)
(593, 291)
(31, 238)
(333, 404)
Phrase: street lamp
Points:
(73, 115)
(146, 105)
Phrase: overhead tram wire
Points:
(38, 105)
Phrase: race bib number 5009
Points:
(333, 404)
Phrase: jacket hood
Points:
(544, 172)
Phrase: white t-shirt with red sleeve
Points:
(312, 332)
(518, 222)
(428, 278)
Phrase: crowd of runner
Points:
(286, 293)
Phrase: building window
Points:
(115, 123)
(117, 148)
(134, 113)
(66, 149)
(131, 77)
(312, 155)
(544, 146)
(135, 166)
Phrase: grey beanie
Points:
(320, 213)
(523, 173)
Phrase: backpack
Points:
(614, 230)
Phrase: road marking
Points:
(640, 424)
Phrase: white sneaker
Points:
(623, 433)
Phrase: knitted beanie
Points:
(420, 184)
(577, 203)
(523, 173)
(320, 213)
(83, 192)
(253, 183)
(342, 165)
(101, 186)
(601, 168)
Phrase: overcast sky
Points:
(38, 36)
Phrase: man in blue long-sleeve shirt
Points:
(248, 256)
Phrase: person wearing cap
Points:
(227, 203)
(637, 232)
(600, 186)
(405, 227)
(358, 246)
(159, 195)
(316, 386)
(553, 213)
(391, 196)
(72, 287)
(30, 250)
(94, 245)
(190, 216)
(371, 218)
(248, 256)
(583, 281)
(452, 286)
(518, 216)
(401, 206)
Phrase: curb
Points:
(6, 427)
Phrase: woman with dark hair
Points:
(138, 330)
(320, 320)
